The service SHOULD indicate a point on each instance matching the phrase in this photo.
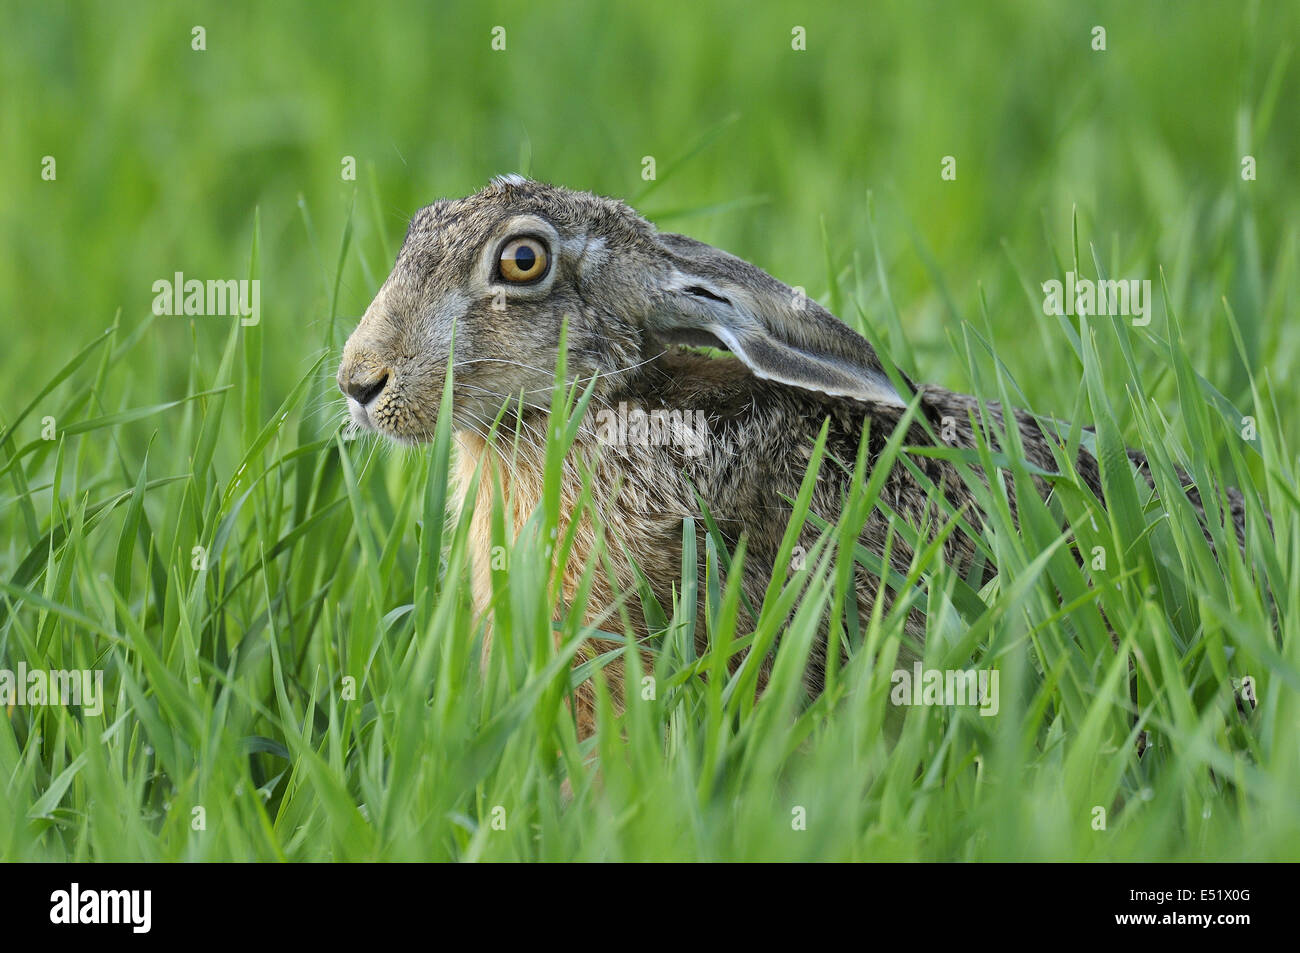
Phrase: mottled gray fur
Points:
(632, 296)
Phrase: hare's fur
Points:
(633, 297)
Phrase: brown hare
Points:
(502, 269)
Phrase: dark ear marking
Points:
(701, 292)
(709, 296)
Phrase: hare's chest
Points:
(480, 470)
(633, 509)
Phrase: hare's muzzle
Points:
(362, 378)
(361, 391)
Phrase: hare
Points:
(502, 269)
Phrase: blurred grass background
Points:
(164, 152)
(813, 164)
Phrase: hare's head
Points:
(485, 283)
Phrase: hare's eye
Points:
(523, 260)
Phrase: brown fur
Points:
(630, 297)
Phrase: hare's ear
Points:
(712, 298)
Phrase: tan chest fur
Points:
(619, 503)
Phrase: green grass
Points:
(310, 677)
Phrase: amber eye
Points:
(523, 259)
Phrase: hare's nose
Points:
(363, 392)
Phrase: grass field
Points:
(290, 665)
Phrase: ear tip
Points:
(863, 389)
(881, 395)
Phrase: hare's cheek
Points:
(443, 325)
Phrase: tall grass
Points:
(291, 662)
